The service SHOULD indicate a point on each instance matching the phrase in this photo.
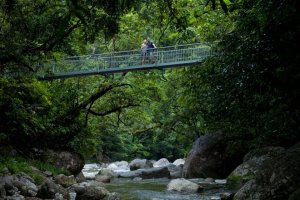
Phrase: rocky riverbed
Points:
(154, 181)
(140, 179)
(266, 173)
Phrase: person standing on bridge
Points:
(150, 51)
(144, 51)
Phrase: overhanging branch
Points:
(113, 110)
(101, 92)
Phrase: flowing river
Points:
(155, 189)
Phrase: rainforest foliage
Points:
(248, 89)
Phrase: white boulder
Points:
(183, 186)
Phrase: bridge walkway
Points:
(125, 61)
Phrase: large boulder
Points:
(140, 164)
(276, 177)
(252, 162)
(71, 161)
(209, 158)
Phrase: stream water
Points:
(156, 189)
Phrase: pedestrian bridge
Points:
(125, 61)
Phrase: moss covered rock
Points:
(275, 175)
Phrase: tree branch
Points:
(87, 114)
(101, 92)
(113, 110)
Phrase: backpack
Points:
(150, 45)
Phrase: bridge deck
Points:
(159, 58)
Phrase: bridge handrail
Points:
(130, 52)
(125, 60)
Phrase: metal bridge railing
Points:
(126, 59)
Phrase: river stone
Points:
(72, 195)
(113, 196)
(80, 177)
(163, 162)
(158, 172)
(209, 180)
(7, 182)
(6, 185)
(93, 193)
(59, 196)
(20, 182)
(140, 164)
(80, 187)
(112, 166)
(105, 175)
(183, 186)
(65, 181)
(48, 189)
(29, 189)
(106, 172)
(2, 190)
(15, 197)
(175, 171)
(276, 177)
(226, 196)
(90, 170)
(129, 174)
(103, 178)
(179, 162)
